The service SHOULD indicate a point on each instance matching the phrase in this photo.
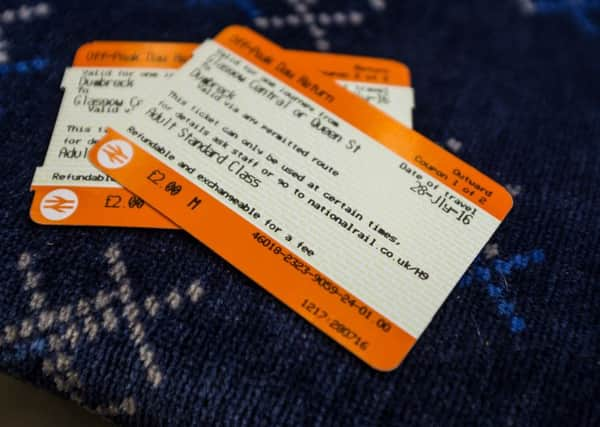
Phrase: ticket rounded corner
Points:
(233, 28)
(243, 30)
(507, 200)
(35, 208)
(388, 366)
(399, 65)
(34, 211)
(82, 50)
(394, 64)
(502, 202)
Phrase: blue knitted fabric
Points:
(149, 327)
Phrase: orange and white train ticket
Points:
(112, 78)
(359, 224)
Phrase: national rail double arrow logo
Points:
(59, 204)
(115, 154)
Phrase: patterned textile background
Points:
(149, 327)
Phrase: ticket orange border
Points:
(357, 68)
(415, 148)
(234, 240)
(365, 69)
(133, 54)
(105, 206)
(230, 236)
(171, 55)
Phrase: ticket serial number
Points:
(330, 288)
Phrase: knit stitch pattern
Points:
(151, 328)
